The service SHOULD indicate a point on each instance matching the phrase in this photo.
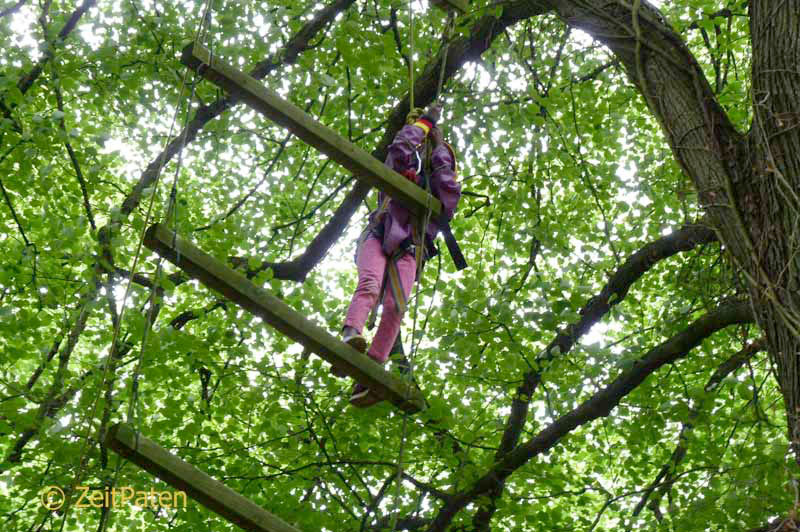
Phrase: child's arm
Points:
(402, 150)
(443, 182)
(402, 157)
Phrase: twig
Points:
(73, 158)
(8, 199)
(12, 9)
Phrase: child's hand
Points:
(435, 111)
(411, 175)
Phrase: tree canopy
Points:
(621, 353)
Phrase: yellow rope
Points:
(411, 55)
(448, 32)
(415, 114)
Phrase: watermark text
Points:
(53, 498)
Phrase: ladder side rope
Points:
(131, 417)
(421, 243)
(133, 414)
(113, 352)
(420, 249)
(411, 355)
(115, 340)
(170, 211)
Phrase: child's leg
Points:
(371, 264)
(390, 319)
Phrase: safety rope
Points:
(170, 212)
(415, 114)
(132, 416)
(411, 55)
(420, 251)
(448, 32)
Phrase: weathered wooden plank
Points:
(363, 165)
(460, 5)
(282, 317)
(211, 493)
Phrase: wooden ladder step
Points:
(460, 5)
(362, 165)
(239, 289)
(182, 476)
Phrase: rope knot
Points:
(415, 114)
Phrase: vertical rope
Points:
(170, 208)
(170, 211)
(411, 106)
(113, 351)
(411, 56)
(451, 20)
(414, 345)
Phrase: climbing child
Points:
(386, 256)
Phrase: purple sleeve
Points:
(444, 183)
(401, 151)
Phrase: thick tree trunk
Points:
(771, 200)
(748, 185)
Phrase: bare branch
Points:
(74, 159)
(8, 202)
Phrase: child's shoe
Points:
(354, 340)
(362, 397)
(351, 337)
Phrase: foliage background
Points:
(566, 175)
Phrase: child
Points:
(389, 241)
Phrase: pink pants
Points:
(371, 263)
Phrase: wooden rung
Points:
(363, 165)
(239, 289)
(460, 5)
(182, 476)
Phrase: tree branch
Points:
(10, 206)
(612, 294)
(779, 525)
(667, 474)
(86, 299)
(55, 402)
(726, 13)
(51, 403)
(404, 523)
(28, 80)
(599, 405)
(702, 137)
(10, 10)
(74, 158)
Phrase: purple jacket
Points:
(397, 221)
